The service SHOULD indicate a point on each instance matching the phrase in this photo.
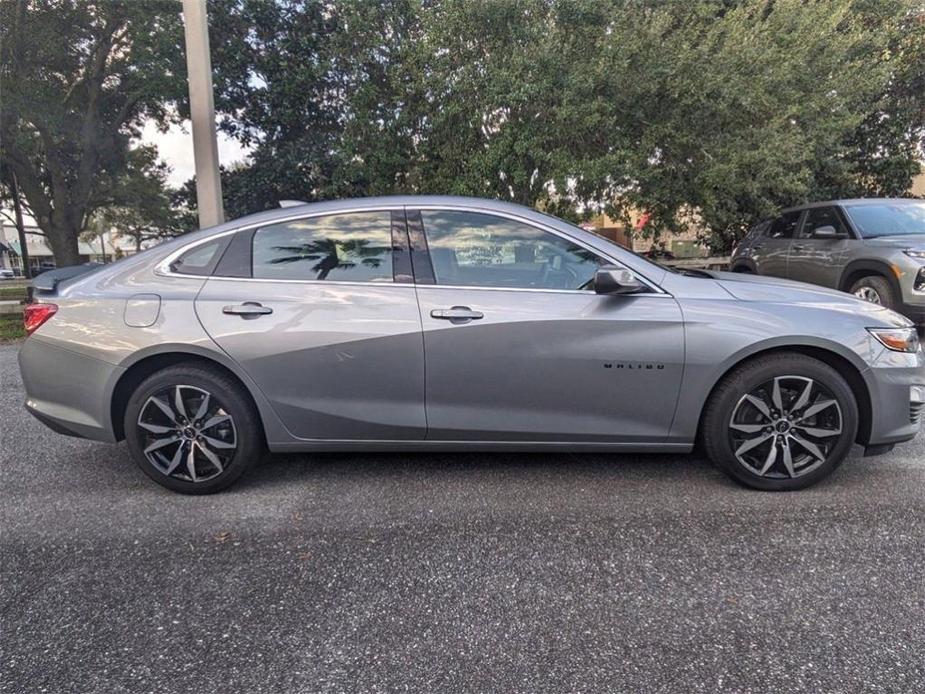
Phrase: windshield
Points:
(887, 218)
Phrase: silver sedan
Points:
(442, 323)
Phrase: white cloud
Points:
(175, 147)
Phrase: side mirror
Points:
(610, 279)
(827, 232)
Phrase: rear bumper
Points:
(68, 392)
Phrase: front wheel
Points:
(780, 422)
(193, 429)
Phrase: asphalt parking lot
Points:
(452, 573)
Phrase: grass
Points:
(12, 292)
(11, 328)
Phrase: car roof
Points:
(294, 208)
(850, 201)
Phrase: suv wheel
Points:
(876, 290)
(192, 429)
(780, 422)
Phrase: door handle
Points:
(457, 314)
(798, 248)
(249, 309)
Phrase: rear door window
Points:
(784, 226)
(352, 247)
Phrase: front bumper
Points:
(895, 383)
(67, 391)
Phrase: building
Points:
(684, 244)
(40, 256)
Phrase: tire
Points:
(732, 419)
(225, 434)
(875, 289)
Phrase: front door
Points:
(520, 348)
(819, 260)
(321, 313)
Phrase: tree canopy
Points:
(78, 78)
(731, 108)
(727, 109)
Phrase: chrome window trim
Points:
(327, 283)
(583, 292)
(163, 268)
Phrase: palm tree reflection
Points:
(329, 255)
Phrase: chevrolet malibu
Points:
(451, 324)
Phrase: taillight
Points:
(35, 316)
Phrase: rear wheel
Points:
(192, 429)
(876, 290)
(780, 422)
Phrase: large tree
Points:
(78, 77)
(727, 108)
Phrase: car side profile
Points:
(873, 248)
(449, 324)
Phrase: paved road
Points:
(451, 573)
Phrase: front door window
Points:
(470, 249)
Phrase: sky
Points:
(175, 147)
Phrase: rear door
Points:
(817, 260)
(520, 348)
(771, 251)
(321, 313)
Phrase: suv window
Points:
(471, 249)
(820, 217)
(785, 226)
(355, 247)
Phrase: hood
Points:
(746, 287)
(916, 241)
(743, 285)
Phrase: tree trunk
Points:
(63, 242)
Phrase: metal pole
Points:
(202, 113)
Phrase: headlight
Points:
(916, 253)
(897, 339)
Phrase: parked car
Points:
(7, 274)
(873, 248)
(443, 323)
